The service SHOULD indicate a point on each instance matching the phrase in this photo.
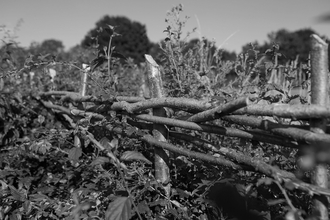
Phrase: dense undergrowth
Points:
(44, 175)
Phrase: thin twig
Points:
(285, 196)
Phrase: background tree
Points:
(14, 53)
(133, 41)
(52, 46)
(290, 44)
(225, 55)
(79, 54)
(49, 46)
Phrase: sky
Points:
(231, 23)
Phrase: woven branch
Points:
(220, 111)
(287, 131)
(231, 132)
(286, 111)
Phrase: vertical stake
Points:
(82, 92)
(319, 89)
(160, 132)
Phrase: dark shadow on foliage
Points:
(232, 202)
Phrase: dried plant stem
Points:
(288, 200)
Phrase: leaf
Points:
(134, 155)
(17, 195)
(118, 55)
(106, 143)
(183, 194)
(2, 84)
(110, 30)
(15, 216)
(75, 153)
(41, 119)
(114, 143)
(160, 202)
(98, 31)
(130, 131)
(9, 44)
(97, 62)
(27, 206)
(143, 207)
(120, 209)
(3, 184)
(38, 197)
(293, 215)
(100, 161)
(41, 147)
(26, 181)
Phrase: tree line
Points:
(133, 42)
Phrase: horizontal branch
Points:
(295, 133)
(196, 155)
(274, 172)
(232, 132)
(56, 107)
(190, 105)
(134, 104)
(257, 164)
(76, 97)
(77, 112)
(239, 157)
(67, 112)
(73, 112)
(221, 111)
(286, 111)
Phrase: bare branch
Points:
(220, 111)
(232, 132)
(288, 131)
(190, 105)
(286, 111)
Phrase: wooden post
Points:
(82, 92)
(160, 132)
(319, 88)
(83, 84)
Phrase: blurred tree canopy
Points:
(12, 52)
(79, 54)
(193, 45)
(225, 55)
(290, 44)
(50, 46)
(133, 41)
